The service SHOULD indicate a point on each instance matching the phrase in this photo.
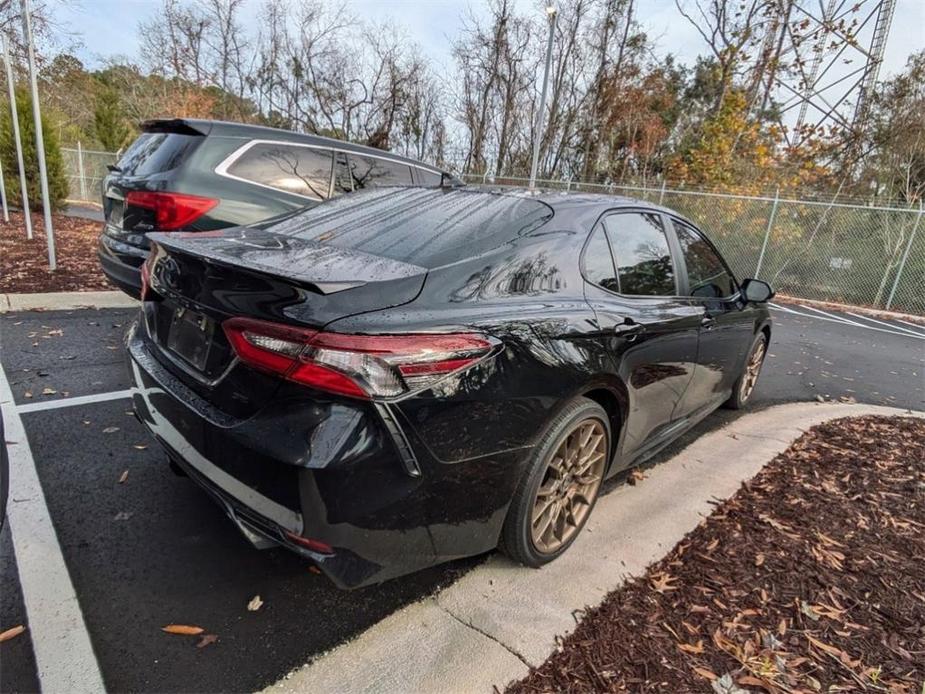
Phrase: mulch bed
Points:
(810, 579)
(24, 263)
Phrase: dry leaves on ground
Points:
(808, 580)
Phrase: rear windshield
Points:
(422, 226)
(156, 152)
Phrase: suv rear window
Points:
(156, 152)
(423, 226)
(301, 170)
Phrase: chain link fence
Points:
(811, 249)
(85, 170)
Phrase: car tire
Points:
(568, 494)
(745, 384)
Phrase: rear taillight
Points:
(171, 210)
(362, 366)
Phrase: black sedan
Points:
(405, 376)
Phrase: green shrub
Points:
(57, 180)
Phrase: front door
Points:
(650, 331)
(726, 328)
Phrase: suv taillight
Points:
(361, 366)
(172, 211)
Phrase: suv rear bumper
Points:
(121, 263)
(359, 498)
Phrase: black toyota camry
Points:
(401, 376)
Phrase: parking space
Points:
(145, 548)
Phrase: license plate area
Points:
(190, 336)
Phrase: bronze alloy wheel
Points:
(752, 369)
(570, 484)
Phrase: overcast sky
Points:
(109, 28)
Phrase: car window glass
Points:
(599, 263)
(368, 172)
(342, 179)
(427, 178)
(301, 170)
(156, 152)
(640, 250)
(707, 276)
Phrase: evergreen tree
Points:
(109, 121)
(57, 180)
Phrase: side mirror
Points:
(756, 291)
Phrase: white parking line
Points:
(64, 655)
(920, 326)
(70, 402)
(889, 325)
(832, 318)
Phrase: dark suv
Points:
(200, 175)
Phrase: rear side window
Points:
(369, 172)
(599, 268)
(707, 275)
(428, 179)
(640, 250)
(157, 152)
(301, 170)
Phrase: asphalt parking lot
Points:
(152, 550)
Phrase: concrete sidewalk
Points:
(63, 301)
(489, 627)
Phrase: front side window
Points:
(707, 275)
(640, 250)
(599, 267)
(369, 172)
(300, 170)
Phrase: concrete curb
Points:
(500, 619)
(63, 301)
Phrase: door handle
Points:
(707, 322)
(629, 329)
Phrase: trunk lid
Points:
(198, 280)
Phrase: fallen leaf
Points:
(11, 633)
(255, 604)
(27, 394)
(696, 648)
(706, 674)
(122, 516)
(123, 477)
(110, 430)
(48, 391)
(206, 639)
(140, 446)
(314, 569)
(183, 629)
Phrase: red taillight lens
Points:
(171, 210)
(362, 366)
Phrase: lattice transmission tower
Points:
(822, 58)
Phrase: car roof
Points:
(247, 130)
(585, 203)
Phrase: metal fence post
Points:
(80, 171)
(661, 194)
(767, 232)
(902, 263)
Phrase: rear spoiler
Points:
(327, 269)
(181, 126)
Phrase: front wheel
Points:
(560, 487)
(745, 384)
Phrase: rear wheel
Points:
(560, 487)
(745, 384)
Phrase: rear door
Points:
(725, 328)
(651, 331)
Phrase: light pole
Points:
(26, 214)
(39, 135)
(551, 13)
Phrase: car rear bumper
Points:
(350, 487)
(121, 263)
